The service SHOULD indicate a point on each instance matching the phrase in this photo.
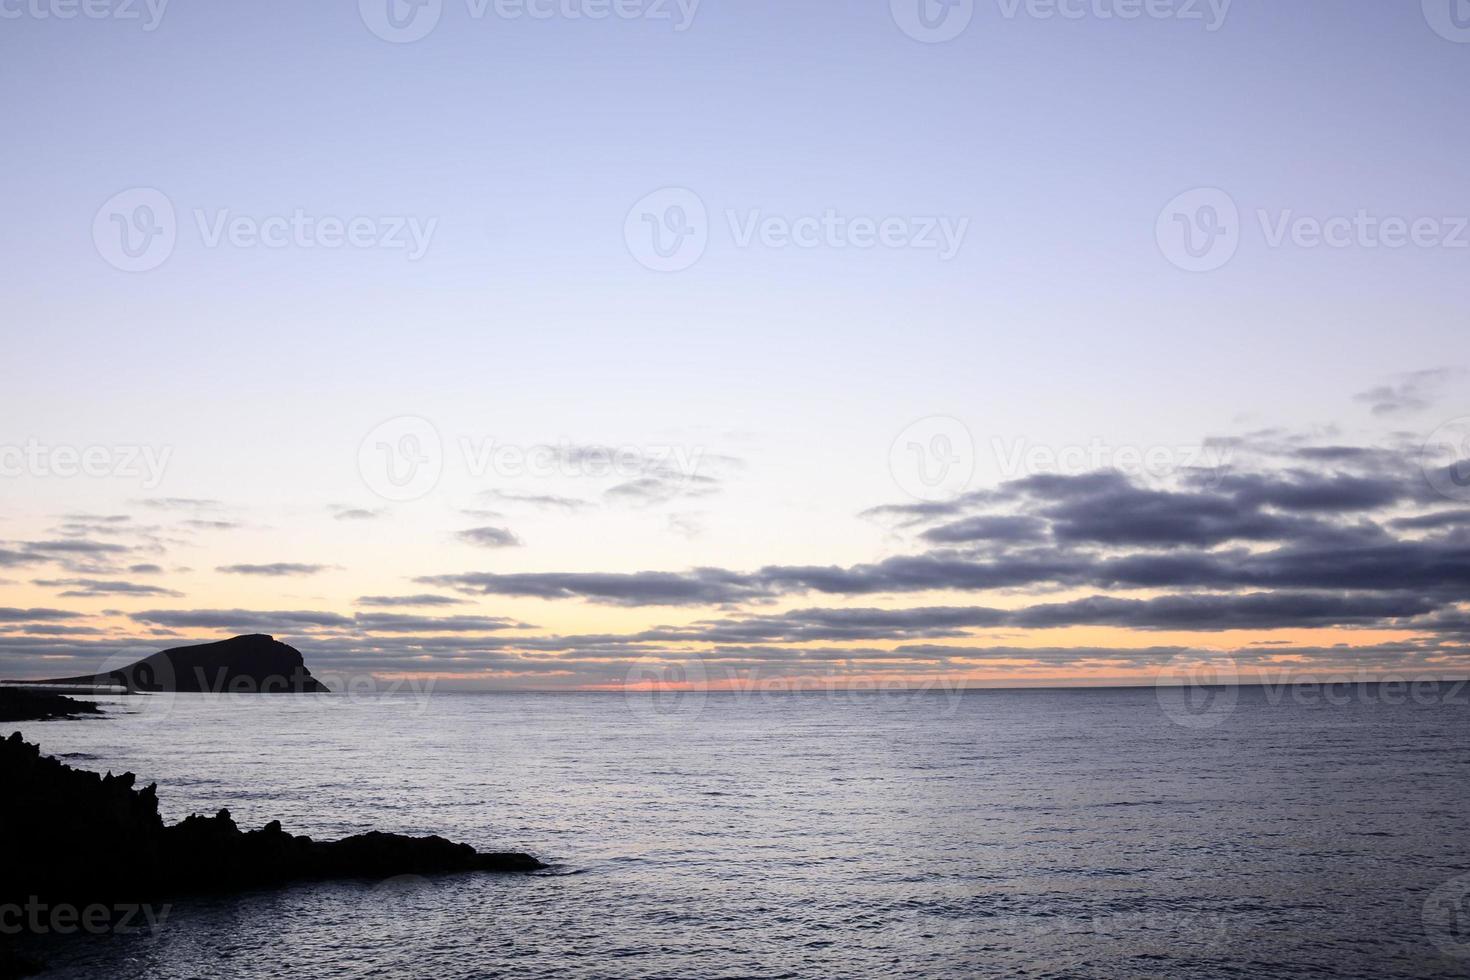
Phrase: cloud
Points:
(649, 491)
(75, 547)
(1294, 535)
(1189, 612)
(544, 501)
(79, 555)
(203, 525)
(239, 620)
(84, 525)
(489, 537)
(10, 614)
(1437, 520)
(1018, 528)
(181, 503)
(391, 601)
(699, 587)
(15, 559)
(274, 569)
(274, 621)
(395, 623)
(1408, 393)
(1245, 529)
(353, 513)
(689, 525)
(86, 587)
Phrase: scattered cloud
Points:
(274, 569)
(86, 588)
(181, 503)
(489, 537)
(395, 601)
(205, 525)
(10, 614)
(1413, 392)
(354, 513)
(541, 500)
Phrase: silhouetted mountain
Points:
(253, 664)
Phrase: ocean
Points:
(1294, 832)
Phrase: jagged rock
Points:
(79, 837)
(253, 664)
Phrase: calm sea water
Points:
(998, 833)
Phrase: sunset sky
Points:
(895, 357)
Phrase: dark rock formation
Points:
(76, 837)
(19, 705)
(254, 664)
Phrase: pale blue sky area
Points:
(528, 141)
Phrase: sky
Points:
(590, 343)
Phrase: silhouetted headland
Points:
(253, 664)
(76, 836)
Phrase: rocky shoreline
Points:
(20, 705)
(80, 838)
